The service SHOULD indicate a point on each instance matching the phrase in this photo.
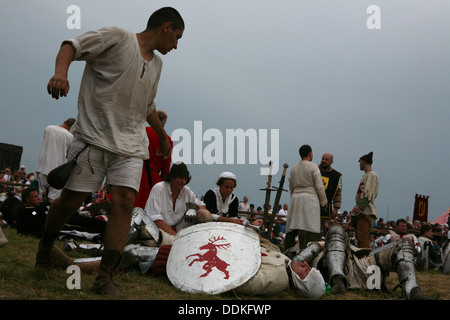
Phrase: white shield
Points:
(213, 257)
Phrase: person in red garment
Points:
(159, 167)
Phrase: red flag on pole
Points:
(421, 208)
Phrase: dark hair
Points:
(163, 15)
(220, 181)
(425, 228)
(162, 115)
(304, 150)
(400, 221)
(69, 122)
(26, 193)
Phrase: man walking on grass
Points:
(116, 98)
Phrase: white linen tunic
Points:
(55, 143)
(117, 91)
(307, 196)
(160, 205)
(368, 188)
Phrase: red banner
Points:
(421, 208)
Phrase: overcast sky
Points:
(305, 72)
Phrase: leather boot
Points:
(44, 256)
(104, 283)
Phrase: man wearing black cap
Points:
(364, 214)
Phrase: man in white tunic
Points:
(166, 205)
(307, 197)
(55, 144)
(116, 99)
(364, 214)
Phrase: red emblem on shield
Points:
(211, 258)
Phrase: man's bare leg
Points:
(116, 235)
(59, 213)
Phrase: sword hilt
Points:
(250, 226)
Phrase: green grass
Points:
(20, 280)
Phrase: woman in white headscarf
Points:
(221, 201)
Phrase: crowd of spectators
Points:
(381, 230)
(15, 179)
(15, 188)
(13, 183)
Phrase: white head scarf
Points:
(223, 204)
(313, 286)
(227, 175)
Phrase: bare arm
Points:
(161, 224)
(58, 86)
(164, 144)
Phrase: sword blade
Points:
(277, 199)
(268, 190)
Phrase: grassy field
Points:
(20, 280)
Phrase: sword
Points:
(267, 200)
(277, 199)
(382, 248)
